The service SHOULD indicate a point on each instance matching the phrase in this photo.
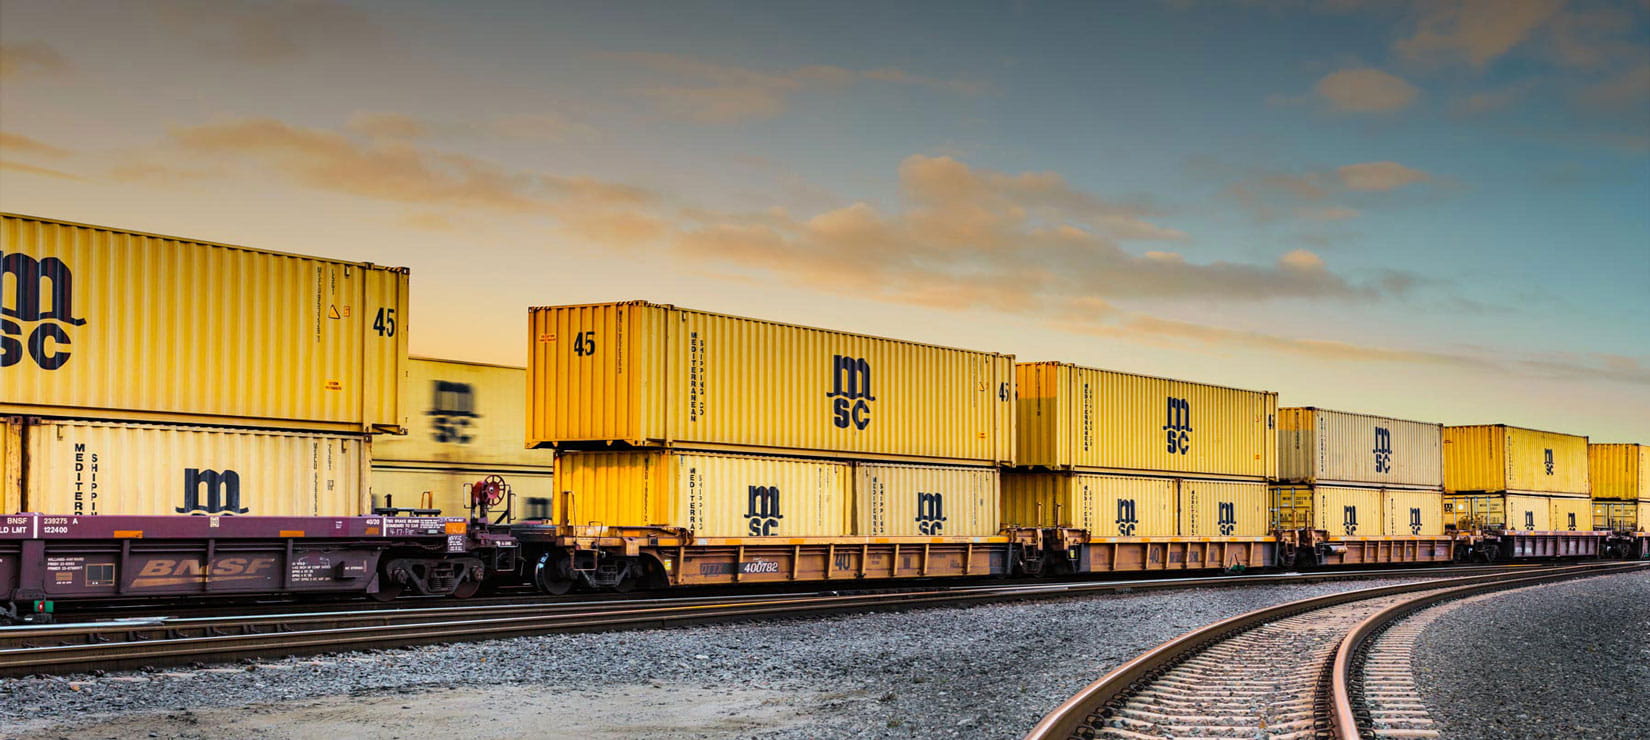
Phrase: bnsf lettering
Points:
(762, 518)
(166, 567)
(1383, 450)
(851, 392)
(930, 514)
(1178, 425)
(23, 305)
(223, 492)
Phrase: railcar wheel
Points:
(467, 588)
(625, 584)
(387, 591)
(551, 575)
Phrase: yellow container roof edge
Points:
(476, 363)
(1058, 363)
(771, 322)
(1364, 414)
(207, 242)
(1514, 426)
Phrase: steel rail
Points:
(1343, 708)
(152, 645)
(135, 629)
(1091, 703)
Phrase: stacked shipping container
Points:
(466, 423)
(739, 427)
(1357, 475)
(1509, 478)
(147, 374)
(1131, 455)
(1620, 477)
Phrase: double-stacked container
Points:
(1499, 477)
(146, 374)
(465, 424)
(737, 427)
(1123, 455)
(1358, 475)
(1620, 477)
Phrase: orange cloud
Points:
(1379, 176)
(1269, 195)
(1365, 90)
(267, 32)
(1475, 31)
(30, 58)
(25, 145)
(388, 125)
(36, 170)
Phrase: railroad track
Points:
(155, 642)
(1296, 670)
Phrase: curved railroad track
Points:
(1296, 670)
(154, 642)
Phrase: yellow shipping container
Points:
(712, 495)
(1571, 513)
(925, 500)
(196, 332)
(1619, 471)
(464, 414)
(1224, 509)
(1499, 511)
(1321, 446)
(449, 490)
(1345, 511)
(1503, 458)
(1105, 505)
(11, 466)
(86, 468)
(1414, 513)
(649, 375)
(1074, 418)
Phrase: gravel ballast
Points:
(1568, 660)
(982, 671)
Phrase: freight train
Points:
(650, 446)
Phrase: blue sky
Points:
(1433, 209)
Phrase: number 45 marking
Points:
(584, 345)
(384, 323)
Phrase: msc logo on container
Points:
(1178, 425)
(1349, 519)
(762, 517)
(1126, 520)
(452, 406)
(851, 389)
(223, 492)
(22, 306)
(930, 514)
(1414, 520)
(1529, 520)
(1227, 517)
(1572, 516)
(1383, 450)
(1549, 462)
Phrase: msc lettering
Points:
(44, 342)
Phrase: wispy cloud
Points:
(31, 59)
(1271, 195)
(1365, 90)
(1474, 31)
(707, 92)
(19, 144)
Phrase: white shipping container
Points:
(1322, 446)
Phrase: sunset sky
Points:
(1434, 210)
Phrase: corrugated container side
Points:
(1616, 516)
(713, 495)
(1619, 471)
(1571, 514)
(1224, 509)
(1322, 446)
(90, 467)
(1292, 506)
(1104, 505)
(449, 490)
(1644, 515)
(1414, 513)
(1090, 419)
(650, 375)
(925, 500)
(464, 414)
(1498, 511)
(197, 332)
(1502, 458)
(11, 462)
(1347, 512)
